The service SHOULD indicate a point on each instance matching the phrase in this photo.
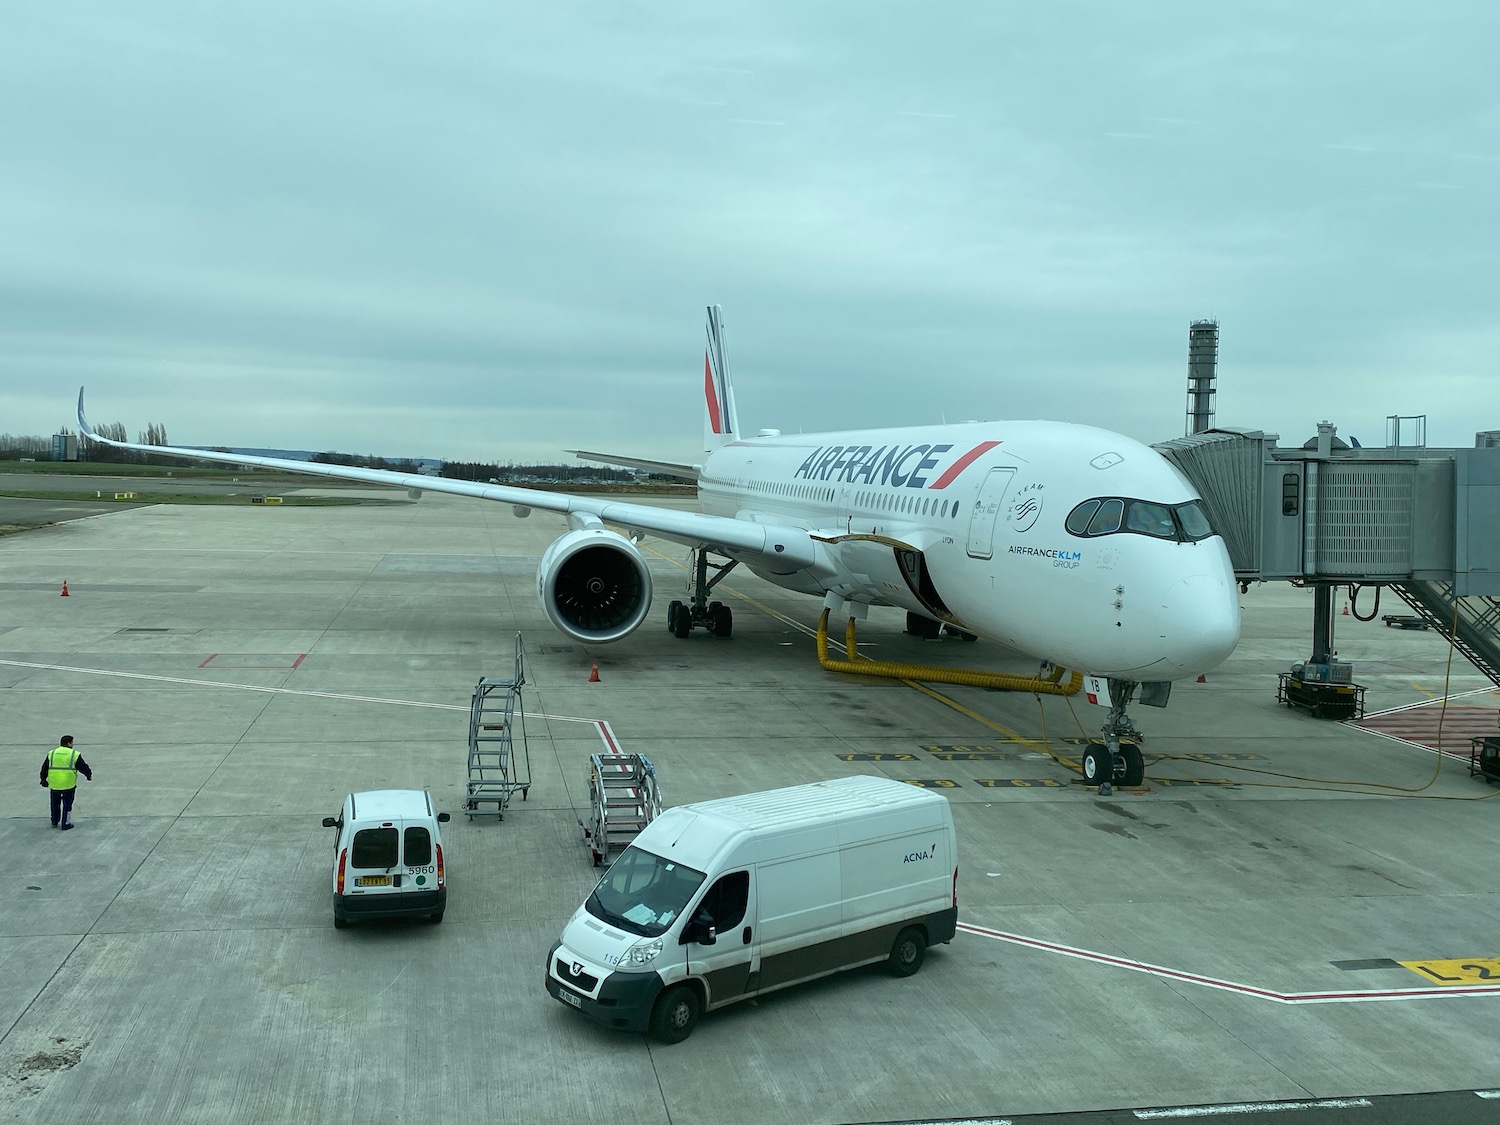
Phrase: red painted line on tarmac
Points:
(1353, 996)
(210, 657)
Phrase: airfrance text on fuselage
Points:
(1067, 559)
(885, 464)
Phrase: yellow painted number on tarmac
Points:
(1472, 970)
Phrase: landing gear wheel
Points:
(682, 625)
(922, 626)
(1135, 766)
(674, 611)
(1098, 766)
(675, 1014)
(907, 952)
(723, 620)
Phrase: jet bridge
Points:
(1424, 522)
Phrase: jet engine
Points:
(594, 585)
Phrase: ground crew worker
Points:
(60, 770)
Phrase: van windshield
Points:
(643, 893)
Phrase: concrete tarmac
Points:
(1290, 909)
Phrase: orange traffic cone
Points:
(65, 593)
(1346, 610)
(594, 673)
(1202, 679)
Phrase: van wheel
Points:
(908, 952)
(675, 1014)
(435, 918)
(340, 923)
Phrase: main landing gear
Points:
(698, 611)
(1117, 762)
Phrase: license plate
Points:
(569, 998)
(373, 881)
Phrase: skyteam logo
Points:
(1026, 509)
(918, 857)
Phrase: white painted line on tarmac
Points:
(607, 735)
(1344, 997)
(1248, 1107)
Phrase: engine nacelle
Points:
(594, 585)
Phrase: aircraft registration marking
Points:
(1469, 970)
(877, 757)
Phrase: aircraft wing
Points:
(781, 549)
(676, 469)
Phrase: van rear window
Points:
(418, 847)
(375, 847)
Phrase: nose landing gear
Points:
(1118, 761)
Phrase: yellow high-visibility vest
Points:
(62, 768)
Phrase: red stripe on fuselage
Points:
(713, 399)
(963, 463)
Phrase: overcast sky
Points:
(489, 231)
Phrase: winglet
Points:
(82, 421)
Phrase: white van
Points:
(388, 857)
(720, 901)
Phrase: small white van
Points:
(388, 857)
(728, 899)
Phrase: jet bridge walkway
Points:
(1425, 522)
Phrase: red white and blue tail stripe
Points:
(720, 424)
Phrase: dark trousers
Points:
(62, 799)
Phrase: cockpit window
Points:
(1078, 518)
(1194, 521)
(1181, 523)
(1150, 519)
(1107, 518)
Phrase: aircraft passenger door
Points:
(987, 508)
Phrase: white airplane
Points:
(1075, 545)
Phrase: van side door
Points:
(728, 965)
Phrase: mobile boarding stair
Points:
(499, 762)
(624, 797)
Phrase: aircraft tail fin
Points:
(721, 423)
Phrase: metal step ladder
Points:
(499, 761)
(624, 797)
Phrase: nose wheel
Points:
(1119, 761)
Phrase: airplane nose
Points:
(1200, 621)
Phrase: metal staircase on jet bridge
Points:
(1472, 624)
(499, 765)
(624, 797)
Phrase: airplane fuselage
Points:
(969, 524)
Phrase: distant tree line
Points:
(532, 474)
(13, 447)
(368, 461)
